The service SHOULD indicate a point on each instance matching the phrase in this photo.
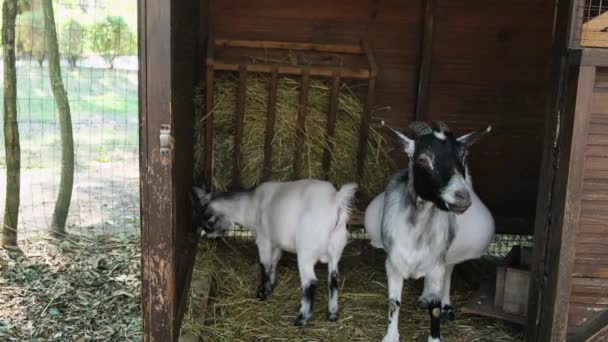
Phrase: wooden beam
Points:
(595, 57)
(426, 57)
(331, 123)
(301, 124)
(320, 71)
(239, 123)
(262, 44)
(594, 329)
(270, 119)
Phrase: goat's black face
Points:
(439, 171)
(438, 164)
(203, 215)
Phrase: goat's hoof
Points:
(333, 316)
(301, 320)
(448, 313)
(263, 292)
(422, 304)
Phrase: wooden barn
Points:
(516, 65)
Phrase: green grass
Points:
(104, 107)
(110, 92)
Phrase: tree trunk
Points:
(62, 206)
(11, 128)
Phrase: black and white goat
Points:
(428, 219)
(306, 217)
(473, 233)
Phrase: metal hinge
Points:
(165, 140)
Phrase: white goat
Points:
(429, 219)
(306, 217)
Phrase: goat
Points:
(421, 209)
(473, 233)
(306, 217)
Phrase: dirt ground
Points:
(105, 197)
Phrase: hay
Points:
(343, 160)
(234, 313)
(75, 290)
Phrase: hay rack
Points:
(335, 62)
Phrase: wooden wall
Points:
(489, 67)
(589, 293)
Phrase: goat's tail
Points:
(345, 198)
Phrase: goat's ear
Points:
(471, 138)
(200, 194)
(408, 145)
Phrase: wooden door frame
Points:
(167, 74)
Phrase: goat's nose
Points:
(463, 196)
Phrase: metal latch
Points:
(165, 140)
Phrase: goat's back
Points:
(297, 210)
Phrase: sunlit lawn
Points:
(104, 108)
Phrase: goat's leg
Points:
(276, 256)
(436, 282)
(337, 242)
(333, 284)
(395, 285)
(423, 301)
(265, 288)
(447, 311)
(308, 279)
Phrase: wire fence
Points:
(98, 48)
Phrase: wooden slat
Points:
(601, 79)
(600, 101)
(426, 58)
(270, 120)
(264, 44)
(593, 228)
(331, 123)
(209, 104)
(239, 123)
(595, 57)
(365, 123)
(301, 124)
(296, 70)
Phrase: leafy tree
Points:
(30, 36)
(72, 41)
(111, 38)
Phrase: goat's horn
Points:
(420, 128)
(440, 126)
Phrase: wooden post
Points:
(240, 121)
(364, 130)
(301, 124)
(331, 122)
(272, 107)
(209, 87)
